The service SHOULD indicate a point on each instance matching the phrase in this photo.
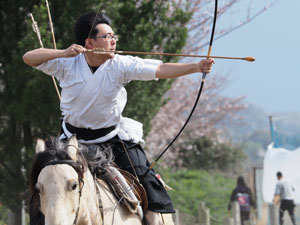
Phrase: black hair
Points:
(85, 26)
(241, 181)
(279, 174)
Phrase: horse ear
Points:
(40, 146)
(73, 147)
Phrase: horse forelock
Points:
(55, 152)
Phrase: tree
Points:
(199, 26)
(17, 111)
(212, 110)
(206, 153)
(3, 214)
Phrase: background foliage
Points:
(208, 154)
(190, 187)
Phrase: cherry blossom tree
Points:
(214, 110)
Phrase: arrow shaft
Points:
(97, 51)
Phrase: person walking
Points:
(284, 192)
(242, 194)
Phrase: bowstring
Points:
(92, 27)
(95, 19)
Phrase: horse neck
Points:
(113, 212)
(89, 204)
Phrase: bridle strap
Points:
(55, 162)
(79, 197)
(100, 201)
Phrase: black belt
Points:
(89, 134)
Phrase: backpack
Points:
(244, 201)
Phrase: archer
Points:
(93, 98)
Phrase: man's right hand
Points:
(38, 56)
(73, 50)
(276, 199)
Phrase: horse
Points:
(64, 191)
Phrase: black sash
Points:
(89, 134)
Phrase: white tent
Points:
(286, 161)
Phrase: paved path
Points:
(287, 221)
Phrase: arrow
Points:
(102, 51)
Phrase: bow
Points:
(199, 93)
(37, 31)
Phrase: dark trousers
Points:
(134, 160)
(244, 216)
(289, 206)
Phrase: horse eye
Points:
(74, 186)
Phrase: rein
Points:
(77, 211)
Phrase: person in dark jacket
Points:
(242, 194)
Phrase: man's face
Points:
(105, 39)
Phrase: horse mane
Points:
(94, 157)
(98, 158)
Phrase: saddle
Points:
(127, 190)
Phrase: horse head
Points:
(64, 191)
(62, 185)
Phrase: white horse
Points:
(65, 193)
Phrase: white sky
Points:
(273, 80)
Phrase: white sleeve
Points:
(277, 189)
(136, 68)
(53, 67)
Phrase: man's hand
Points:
(276, 199)
(41, 55)
(73, 50)
(205, 65)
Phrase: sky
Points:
(272, 82)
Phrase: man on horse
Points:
(93, 98)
